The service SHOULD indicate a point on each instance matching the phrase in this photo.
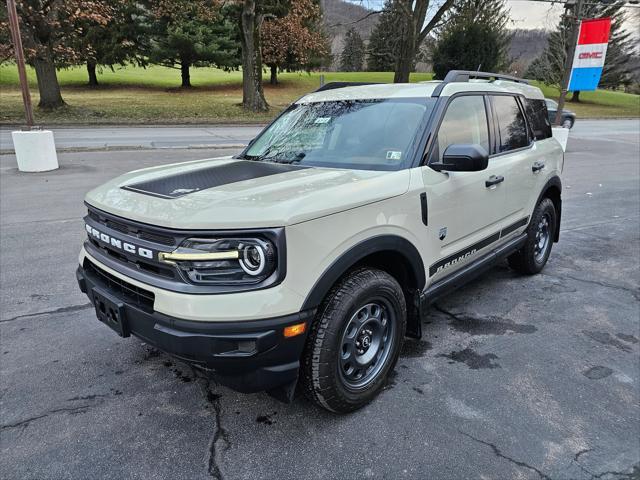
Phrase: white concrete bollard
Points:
(35, 150)
(562, 135)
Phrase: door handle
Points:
(537, 166)
(493, 180)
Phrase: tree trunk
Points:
(252, 94)
(274, 75)
(186, 75)
(406, 51)
(576, 96)
(91, 70)
(48, 86)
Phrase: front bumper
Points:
(248, 356)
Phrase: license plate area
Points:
(110, 311)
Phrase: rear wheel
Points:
(567, 122)
(532, 258)
(355, 341)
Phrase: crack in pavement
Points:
(580, 453)
(484, 325)
(582, 467)
(220, 439)
(68, 410)
(72, 308)
(631, 290)
(633, 474)
(498, 453)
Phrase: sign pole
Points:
(35, 149)
(22, 73)
(573, 39)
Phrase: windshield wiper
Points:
(277, 158)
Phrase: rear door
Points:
(466, 210)
(523, 163)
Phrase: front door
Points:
(518, 153)
(466, 209)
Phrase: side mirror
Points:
(463, 158)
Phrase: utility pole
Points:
(14, 26)
(576, 16)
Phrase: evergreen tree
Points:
(474, 37)
(352, 57)
(191, 34)
(118, 42)
(617, 71)
(383, 47)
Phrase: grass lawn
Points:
(137, 96)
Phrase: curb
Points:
(121, 148)
(62, 126)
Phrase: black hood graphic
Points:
(175, 186)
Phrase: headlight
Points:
(224, 261)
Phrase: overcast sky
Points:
(526, 14)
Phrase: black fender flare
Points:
(348, 259)
(553, 182)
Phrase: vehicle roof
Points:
(422, 89)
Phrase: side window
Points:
(538, 118)
(465, 121)
(512, 129)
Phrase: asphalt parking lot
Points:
(516, 377)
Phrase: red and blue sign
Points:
(590, 54)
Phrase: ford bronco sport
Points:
(310, 256)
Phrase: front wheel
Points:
(533, 256)
(355, 341)
(567, 123)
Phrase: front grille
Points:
(124, 290)
(153, 237)
(135, 262)
(133, 230)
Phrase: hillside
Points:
(340, 16)
(525, 46)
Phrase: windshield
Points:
(376, 134)
(551, 104)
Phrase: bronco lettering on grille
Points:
(118, 244)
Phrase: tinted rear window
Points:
(511, 124)
(538, 118)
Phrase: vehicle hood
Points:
(225, 193)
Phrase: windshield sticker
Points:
(394, 155)
(322, 120)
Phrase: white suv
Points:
(313, 253)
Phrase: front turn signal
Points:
(295, 330)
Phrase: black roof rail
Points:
(334, 85)
(465, 75)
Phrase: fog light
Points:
(294, 330)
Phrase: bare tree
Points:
(413, 30)
(252, 92)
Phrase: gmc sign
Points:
(587, 55)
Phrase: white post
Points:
(35, 150)
(561, 134)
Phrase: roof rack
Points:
(454, 76)
(334, 85)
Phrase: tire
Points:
(541, 231)
(567, 123)
(364, 316)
